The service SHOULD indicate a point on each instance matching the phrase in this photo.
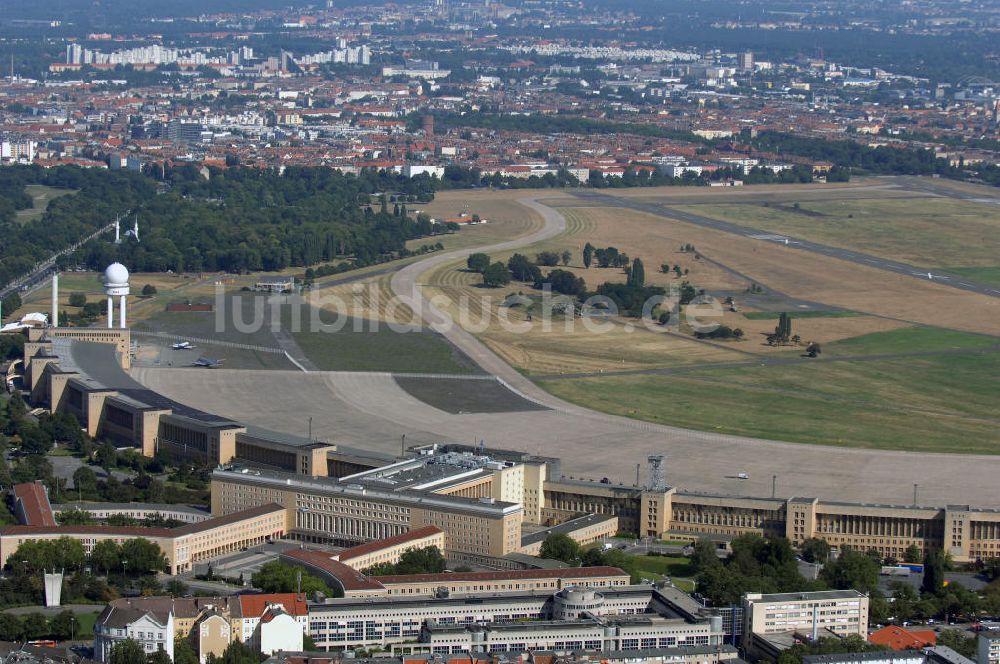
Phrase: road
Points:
(597, 199)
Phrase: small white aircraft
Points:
(182, 345)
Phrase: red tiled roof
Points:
(395, 540)
(347, 577)
(898, 638)
(254, 605)
(34, 504)
(513, 575)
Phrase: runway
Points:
(370, 410)
(595, 199)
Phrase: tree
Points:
(559, 546)
(904, 600)
(783, 331)
(143, 556)
(75, 517)
(159, 657)
(547, 258)
(523, 269)
(64, 625)
(852, 569)
(427, 560)
(127, 652)
(77, 299)
(566, 256)
(959, 642)
(278, 577)
(934, 565)
(496, 275)
(637, 274)
(85, 481)
(11, 627)
(184, 652)
(687, 293)
(177, 588)
(106, 556)
(813, 349)
(912, 554)
(34, 440)
(815, 550)
(149, 289)
(478, 262)
(236, 652)
(588, 255)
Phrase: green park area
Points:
(41, 196)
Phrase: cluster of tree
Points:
(22, 581)
(101, 194)
(427, 560)
(140, 488)
(552, 258)
(79, 517)
(462, 177)
(884, 160)
(521, 268)
(827, 645)
(559, 546)
(238, 220)
(676, 269)
(719, 332)
(245, 220)
(783, 332)
(31, 626)
(134, 556)
(606, 257)
(278, 577)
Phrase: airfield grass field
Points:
(944, 403)
(944, 380)
(41, 196)
(906, 363)
(984, 275)
(363, 345)
(922, 231)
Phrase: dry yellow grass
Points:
(821, 330)
(809, 276)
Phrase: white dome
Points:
(116, 273)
